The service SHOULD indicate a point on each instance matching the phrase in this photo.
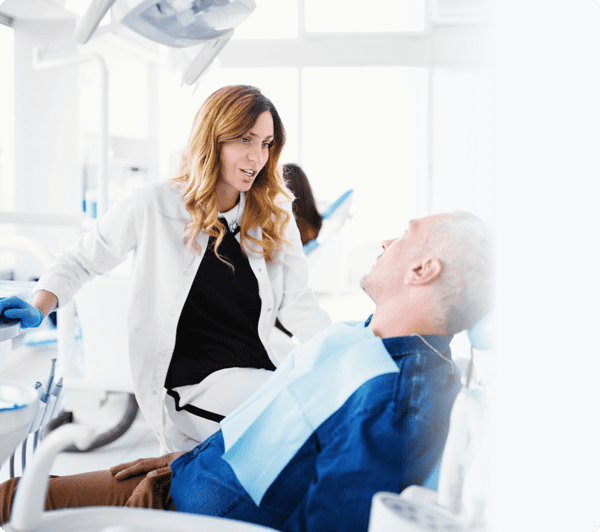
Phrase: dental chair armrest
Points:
(118, 519)
(30, 498)
(419, 493)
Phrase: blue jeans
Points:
(216, 490)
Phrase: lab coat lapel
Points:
(257, 261)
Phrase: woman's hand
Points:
(14, 308)
(143, 466)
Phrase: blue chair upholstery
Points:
(433, 479)
(310, 246)
(336, 204)
(333, 218)
(481, 335)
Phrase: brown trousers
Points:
(99, 488)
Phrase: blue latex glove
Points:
(14, 308)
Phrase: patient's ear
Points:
(424, 271)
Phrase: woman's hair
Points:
(227, 114)
(307, 216)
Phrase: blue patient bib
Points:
(264, 433)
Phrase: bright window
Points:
(362, 126)
(361, 16)
(272, 19)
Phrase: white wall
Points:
(46, 173)
(56, 116)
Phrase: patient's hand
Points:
(143, 466)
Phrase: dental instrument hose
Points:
(116, 432)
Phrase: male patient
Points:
(359, 409)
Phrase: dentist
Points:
(217, 258)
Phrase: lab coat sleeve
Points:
(383, 452)
(100, 250)
(299, 311)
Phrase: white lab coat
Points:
(151, 222)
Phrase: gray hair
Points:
(465, 245)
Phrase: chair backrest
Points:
(482, 334)
(334, 217)
(340, 205)
(482, 337)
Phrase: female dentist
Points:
(217, 259)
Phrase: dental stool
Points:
(454, 502)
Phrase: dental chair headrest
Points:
(336, 204)
(481, 335)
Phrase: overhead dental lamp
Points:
(174, 23)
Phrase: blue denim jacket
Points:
(388, 435)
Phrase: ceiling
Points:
(14, 10)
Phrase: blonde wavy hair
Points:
(228, 114)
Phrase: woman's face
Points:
(243, 158)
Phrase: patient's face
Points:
(399, 254)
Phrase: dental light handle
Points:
(30, 498)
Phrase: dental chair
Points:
(326, 255)
(28, 507)
(334, 217)
(453, 497)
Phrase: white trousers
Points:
(221, 393)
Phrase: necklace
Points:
(234, 224)
(236, 221)
(435, 351)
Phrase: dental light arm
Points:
(91, 19)
(209, 51)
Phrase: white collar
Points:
(234, 215)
